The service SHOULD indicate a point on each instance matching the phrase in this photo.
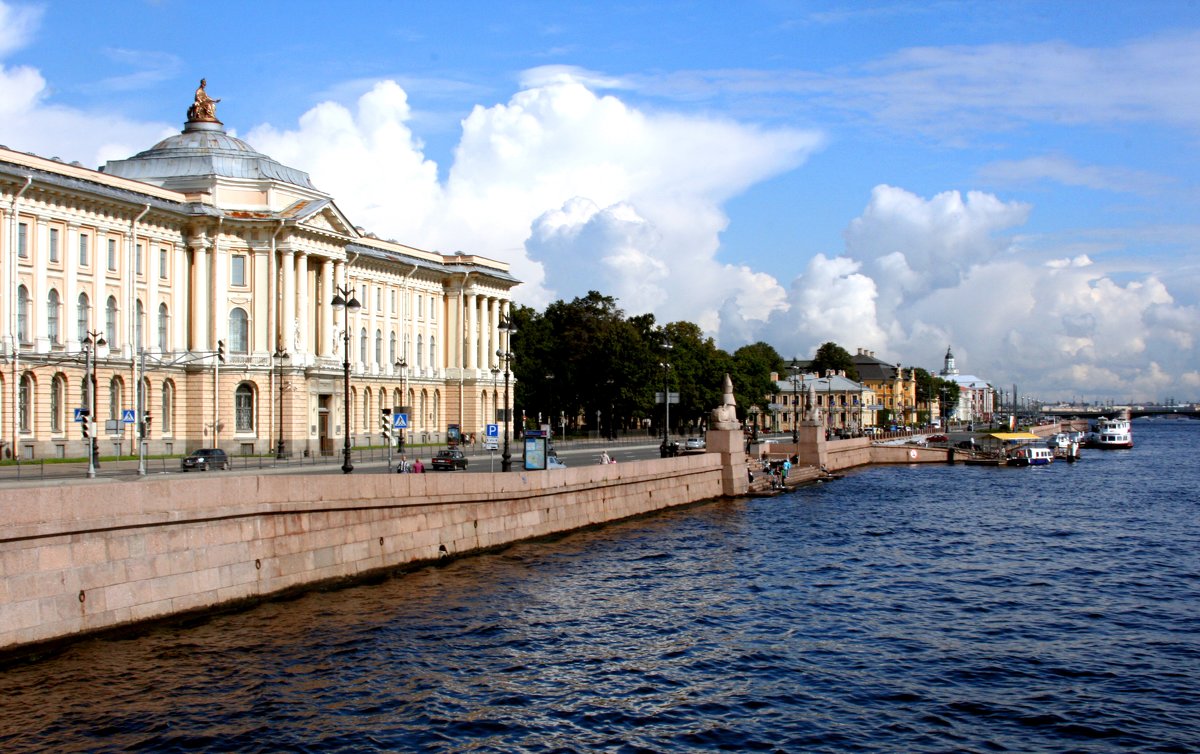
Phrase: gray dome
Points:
(203, 149)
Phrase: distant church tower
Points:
(948, 368)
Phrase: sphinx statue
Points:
(725, 415)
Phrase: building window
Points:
(392, 301)
(52, 314)
(362, 346)
(420, 350)
(83, 250)
(420, 306)
(25, 403)
(22, 314)
(54, 251)
(110, 320)
(23, 240)
(162, 264)
(58, 389)
(378, 299)
(243, 406)
(112, 255)
(432, 310)
(82, 317)
(238, 270)
(432, 352)
(164, 320)
(378, 347)
(392, 348)
(114, 399)
(139, 325)
(239, 331)
(366, 418)
(167, 413)
(137, 260)
(363, 297)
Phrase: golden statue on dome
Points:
(204, 108)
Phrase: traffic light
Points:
(221, 351)
(385, 423)
(146, 427)
(85, 426)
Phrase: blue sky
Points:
(1018, 179)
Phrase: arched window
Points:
(432, 352)
(382, 400)
(166, 415)
(239, 331)
(110, 321)
(139, 325)
(419, 351)
(22, 314)
(115, 387)
(164, 321)
(397, 398)
(362, 347)
(407, 349)
(58, 389)
(243, 408)
(85, 392)
(392, 348)
(352, 415)
(25, 400)
(437, 409)
(378, 347)
(52, 314)
(366, 415)
(424, 416)
(83, 321)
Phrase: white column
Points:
(287, 324)
(98, 257)
(303, 343)
(220, 294)
(198, 303)
(325, 339)
(70, 312)
(181, 300)
(472, 343)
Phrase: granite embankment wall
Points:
(76, 559)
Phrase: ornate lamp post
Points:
(344, 299)
(507, 329)
(95, 339)
(754, 425)
(795, 379)
(665, 450)
(280, 447)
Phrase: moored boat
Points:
(1031, 455)
(1111, 433)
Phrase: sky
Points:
(1016, 180)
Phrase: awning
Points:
(1014, 436)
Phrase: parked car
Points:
(205, 459)
(693, 443)
(449, 460)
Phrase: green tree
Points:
(752, 368)
(832, 356)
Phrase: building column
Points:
(470, 344)
(325, 335)
(70, 313)
(198, 314)
(287, 322)
(303, 343)
(340, 320)
(38, 240)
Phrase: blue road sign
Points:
(492, 430)
(79, 414)
(399, 421)
(128, 416)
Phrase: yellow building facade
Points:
(196, 283)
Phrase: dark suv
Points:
(205, 459)
(449, 460)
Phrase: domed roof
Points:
(203, 149)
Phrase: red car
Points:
(937, 438)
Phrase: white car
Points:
(693, 443)
(552, 462)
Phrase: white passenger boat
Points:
(1111, 433)
(1031, 455)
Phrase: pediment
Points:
(323, 215)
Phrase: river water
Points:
(900, 609)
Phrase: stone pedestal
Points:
(811, 450)
(731, 444)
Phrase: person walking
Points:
(604, 457)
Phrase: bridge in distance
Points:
(1191, 411)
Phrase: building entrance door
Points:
(323, 429)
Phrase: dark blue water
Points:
(914, 609)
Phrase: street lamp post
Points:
(754, 425)
(280, 446)
(794, 368)
(93, 341)
(666, 367)
(507, 329)
(402, 365)
(344, 299)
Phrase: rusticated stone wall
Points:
(88, 557)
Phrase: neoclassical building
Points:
(197, 283)
(976, 398)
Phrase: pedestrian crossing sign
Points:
(399, 421)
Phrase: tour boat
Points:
(1031, 455)
(1111, 433)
